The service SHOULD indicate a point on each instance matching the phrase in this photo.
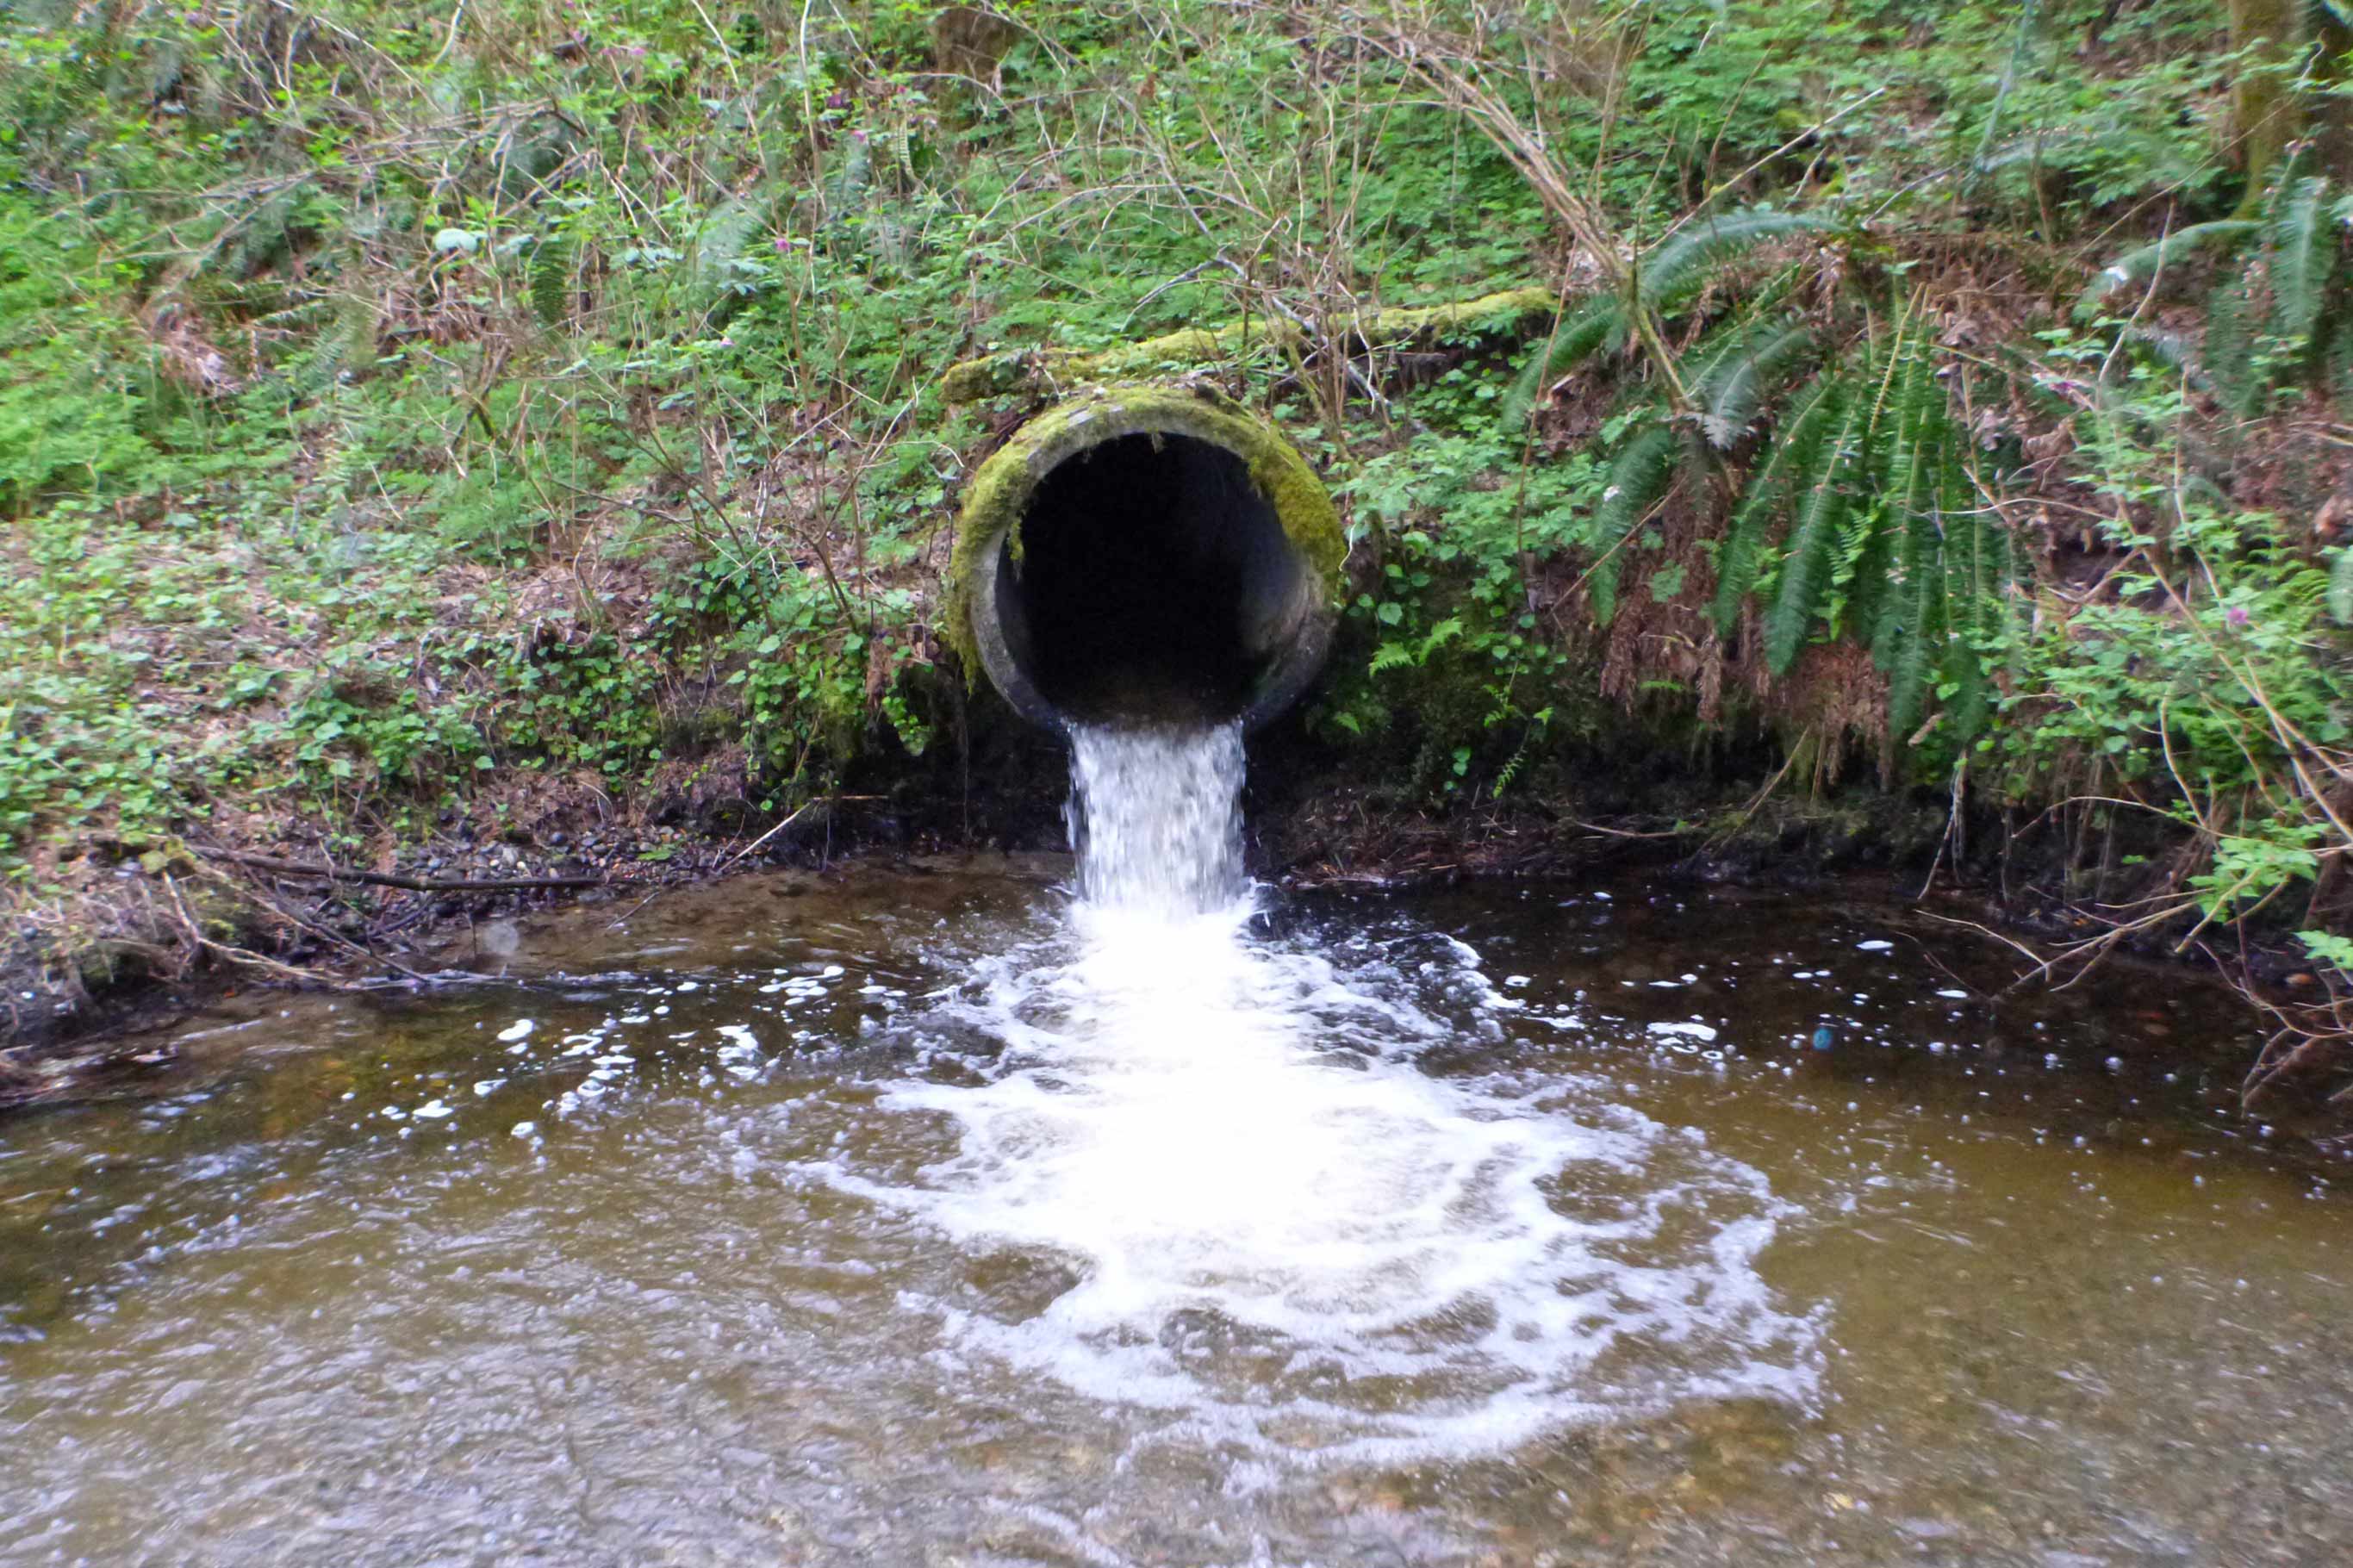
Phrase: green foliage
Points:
(644, 464)
(2271, 324)
(1741, 558)
(2301, 241)
(2137, 266)
(1675, 271)
(1842, 516)
(2211, 684)
(1639, 478)
(74, 394)
(1805, 571)
(1732, 389)
(1454, 516)
(551, 262)
(1598, 322)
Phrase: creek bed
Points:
(905, 1223)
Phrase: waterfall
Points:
(1155, 816)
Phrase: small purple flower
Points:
(637, 51)
(837, 100)
(2237, 614)
(780, 244)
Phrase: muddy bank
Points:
(1611, 789)
(1317, 822)
(2157, 1017)
(161, 928)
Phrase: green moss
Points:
(1051, 370)
(1488, 312)
(1000, 490)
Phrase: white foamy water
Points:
(1270, 1219)
(1155, 816)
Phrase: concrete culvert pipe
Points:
(1147, 554)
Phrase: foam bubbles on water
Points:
(1268, 1219)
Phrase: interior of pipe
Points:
(1152, 581)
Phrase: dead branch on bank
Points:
(271, 863)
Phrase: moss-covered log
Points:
(1052, 370)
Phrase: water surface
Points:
(962, 1216)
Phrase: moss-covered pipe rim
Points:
(1003, 484)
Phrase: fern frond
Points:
(2173, 350)
(2137, 266)
(1445, 632)
(1905, 454)
(2336, 351)
(2229, 350)
(262, 235)
(1926, 639)
(1724, 341)
(1916, 635)
(1579, 335)
(726, 234)
(1741, 558)
(1913, 533)
(850, 177)
(2303, 245)
(1760, 311)
(1680, 264)
(347, 345)
(1638, 478)
(551, 280)
(1806, 570)
(1869, 583)
(1971, 702)
(1969, 604)
(1732, 390)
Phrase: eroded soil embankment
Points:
(1315, 821)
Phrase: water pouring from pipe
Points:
(1254, 1208)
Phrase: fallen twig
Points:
(411, 884)
(753, 847)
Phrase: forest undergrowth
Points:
(488, 419)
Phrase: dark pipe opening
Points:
(1154, 581)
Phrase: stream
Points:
(998, 1211)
